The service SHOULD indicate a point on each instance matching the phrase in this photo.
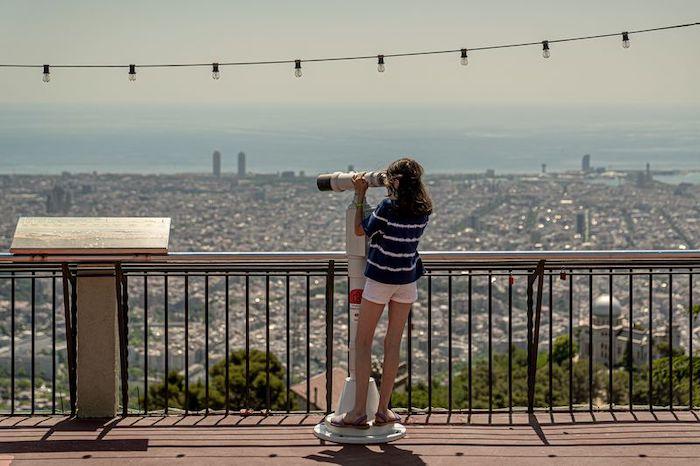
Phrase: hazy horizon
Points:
(179, 138)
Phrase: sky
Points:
(658, 68)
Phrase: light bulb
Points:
(132, 73)
(464, 60)
(297, 68)
(625, 40)
(47, 76)
(380, 64)
(545, 49)
(215, 71)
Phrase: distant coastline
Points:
(50, 139)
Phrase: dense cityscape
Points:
(587, 209)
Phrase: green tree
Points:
(255, 397)
(499, 381)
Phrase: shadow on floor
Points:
(361, 454)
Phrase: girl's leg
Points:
(398, 314)
(366, 324)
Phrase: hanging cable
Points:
(297, 62)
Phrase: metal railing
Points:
(251, 332)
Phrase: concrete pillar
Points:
(98, 354)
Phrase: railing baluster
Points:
(347, 309)
(289, 359)
(330, 282)
(267, 343)
(670, 339)
(533, 330)
(571, 340)
(123, 322)
(226, 345)
(510, 341)
(247, 342)
(651, 338)
(206, 342)
(145, 343)
(430, 343)
(449, 342)
(610, 340)
(630, 343)
(308, 343)
(33, 341)
(12, 343)
(165, 337)
(490, 350)
(469, 341)
(70, 311)
(549, 349)
(590, 339)
(53, 342)
(187, 343)
(691, 328)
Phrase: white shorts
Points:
(382, 293)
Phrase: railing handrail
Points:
(324, 256)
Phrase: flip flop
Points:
(359, 423)
(381, 419)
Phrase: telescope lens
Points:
(324, 183)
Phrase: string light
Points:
(380, 64)
(625, 40)
(380, 58)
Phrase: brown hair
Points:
(411, 196)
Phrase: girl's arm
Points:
(361, 186)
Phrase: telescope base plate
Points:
(373, 435)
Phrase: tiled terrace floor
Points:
(671, 438)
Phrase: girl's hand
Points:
(360, 184)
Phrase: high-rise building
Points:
(216, 162)
(544, 168)
(241, 164)
(59, 200)
(586, 163)
(583, 225)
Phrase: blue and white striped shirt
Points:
(393, 245)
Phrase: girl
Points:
(393, 266)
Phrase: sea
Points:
(446, 138)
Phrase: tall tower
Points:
(586, 163)
(583, 225)
(241, 164)
(216, 163)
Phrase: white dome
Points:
(601, 307)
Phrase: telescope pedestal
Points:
(375, 434)
(356, 248)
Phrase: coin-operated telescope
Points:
(342, 181)
(356, 249)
